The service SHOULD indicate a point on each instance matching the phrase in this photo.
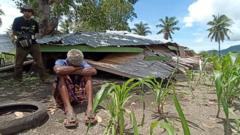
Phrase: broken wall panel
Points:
(130, 65)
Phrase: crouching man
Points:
(74, 85)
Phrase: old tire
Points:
(37, 117)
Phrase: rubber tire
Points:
(36, 118)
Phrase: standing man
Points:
(24, 30)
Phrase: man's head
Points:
(75, 57)
(27, 11)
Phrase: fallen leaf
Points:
(51, 110)
(99, 119)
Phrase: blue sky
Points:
(192, 15)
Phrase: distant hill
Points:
(235, 48)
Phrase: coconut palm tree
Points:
(141, 29)
(168, 26)
(219, 29)
(1, 13)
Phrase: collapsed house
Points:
(121, 53)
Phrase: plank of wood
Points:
(13, 65)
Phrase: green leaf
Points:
(181, 115)
(225, 107)
(153, 125)
(218, 84)
(134, 123)
(233, 57)
(170, 129)
(101, 94)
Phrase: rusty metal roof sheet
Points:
(97, 39)
(132, 66)
(5, 44)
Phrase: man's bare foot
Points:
(71, 120)
(90, 118)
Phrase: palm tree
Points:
(141, 29)
(219, 29)
(1, 13)
(168, 26)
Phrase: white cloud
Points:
(10, 12)
(201, 11)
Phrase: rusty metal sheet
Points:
(97, 39)
(133, 67)
(159, 49)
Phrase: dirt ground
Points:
(199, 108)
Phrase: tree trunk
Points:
(46, 25)
(165, 36)
(219, 49)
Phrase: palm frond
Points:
(219, 28)
(141, 29)
(168, 26)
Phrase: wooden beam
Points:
(13, 65)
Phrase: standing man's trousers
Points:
(21, 54)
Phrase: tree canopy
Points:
(141, 29)
(1, 13)
(167, 27)
(82, 15)
(219, 29)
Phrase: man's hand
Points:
(65, 70)
(86, 71)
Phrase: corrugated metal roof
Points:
(137, 68)
(5, 44)
(130, 65)
(97, 39)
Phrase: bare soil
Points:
(200, 107)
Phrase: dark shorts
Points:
(76, 89)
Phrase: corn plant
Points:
(165, 125)
(181, 115)
(118, 96)
(227, 81)
(190, 78)
(169, 127)
(161, 92)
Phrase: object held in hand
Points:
(25, 39)
(25, 42)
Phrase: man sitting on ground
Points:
(74, 85)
